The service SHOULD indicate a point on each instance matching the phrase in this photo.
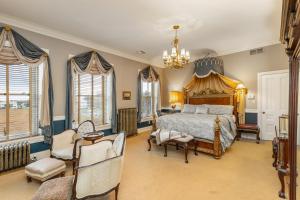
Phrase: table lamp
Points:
(175, 98)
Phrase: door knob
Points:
(263, 112)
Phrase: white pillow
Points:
(201, 110)
(220, 109)
(189, 108)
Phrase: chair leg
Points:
(166, 150)
(238, 136)
(74, 165)
(257, 137)
(117, 192)
(29, 179)
(186, 150)
(195, 148)
(149, 142)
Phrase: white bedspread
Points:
(200, 126)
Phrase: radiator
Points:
(14, 155)
(127, 120)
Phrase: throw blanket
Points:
(200, 126)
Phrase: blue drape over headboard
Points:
(205, 66)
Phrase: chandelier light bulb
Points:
(187, 55)
(165, 54)
(182, 53)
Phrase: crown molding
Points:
(254, 46)
(43, 30)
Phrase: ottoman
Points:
(45, 169)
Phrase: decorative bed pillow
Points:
(201, 110)
(188, 108)
(220, 109)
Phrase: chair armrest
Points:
(62, 140)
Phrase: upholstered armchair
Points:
(98, 172)
(65, 146)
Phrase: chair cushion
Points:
(55, 189)
(66, 153)
(185, 139)
(45, 168)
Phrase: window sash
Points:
(20, 87)
(92, 102)
(149, 98)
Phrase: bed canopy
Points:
(209, 79)
(89, 63)
(15, 50)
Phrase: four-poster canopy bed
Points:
(213, 130)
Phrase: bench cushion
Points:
(248, 126)
(45, 168)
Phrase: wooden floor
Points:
(245, 172)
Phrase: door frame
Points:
(259, 92)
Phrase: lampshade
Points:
(240, 86)
(175, 97)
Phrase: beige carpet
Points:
(244, 172)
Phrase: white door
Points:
(273, 100)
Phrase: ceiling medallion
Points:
(176, 60)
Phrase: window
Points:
(92, 99)
(149, 98)
(20, 92)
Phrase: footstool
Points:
(45, 169)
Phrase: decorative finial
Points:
(7, 28)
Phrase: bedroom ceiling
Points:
(127, 27)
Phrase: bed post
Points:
(217, 140)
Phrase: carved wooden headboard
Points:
(213, 99)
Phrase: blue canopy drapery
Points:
(90, 62)
(22, 51)
(205, 66)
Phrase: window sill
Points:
(31, 140)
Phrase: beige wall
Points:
(126, 70)
(239, 66)
(244, 67)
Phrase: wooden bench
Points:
(248, 128)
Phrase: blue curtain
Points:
(69, 114)
(82, 60)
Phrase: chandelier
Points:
(176, 60)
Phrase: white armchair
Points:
(64, 146)
(98, 172)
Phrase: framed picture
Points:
(126, 95)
